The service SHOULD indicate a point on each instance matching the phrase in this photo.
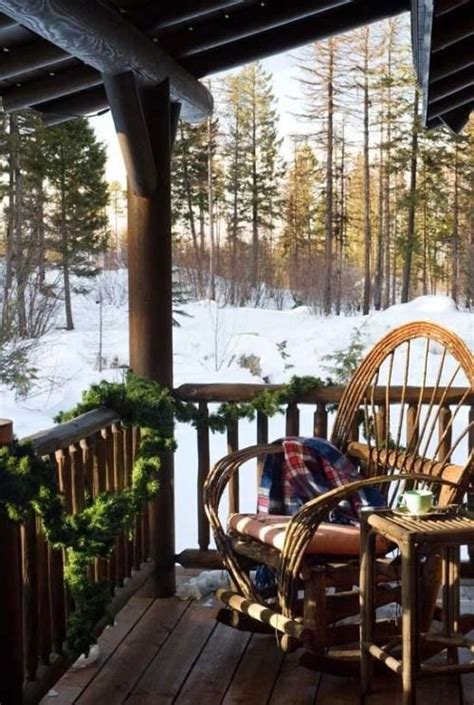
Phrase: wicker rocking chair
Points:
(402, 449)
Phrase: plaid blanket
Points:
(306, 468)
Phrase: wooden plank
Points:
(119, 675)
(108, 642)
(295, 684)
(254, 679)
(166, 674)
(213, 671)
(339, 690)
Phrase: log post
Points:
(11, 600)
(150, 306)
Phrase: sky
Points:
(285, 87)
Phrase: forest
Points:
(364, 208)
(359, 209)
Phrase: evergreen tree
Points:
(300, 234)
(253, 165)
(78, 195)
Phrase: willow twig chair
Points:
(413, 433)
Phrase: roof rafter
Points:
(302, 32)
(219, 31)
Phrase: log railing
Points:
(90, 454)
(321, 400)
(94, 453)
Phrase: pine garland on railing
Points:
(28, 482)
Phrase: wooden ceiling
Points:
(55, 52)
(443, 49)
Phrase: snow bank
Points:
(208, 346)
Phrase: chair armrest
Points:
(304, 523)
(214, 486)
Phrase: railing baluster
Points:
(59, 606)
(232, 445)
(128, 455)
(202, 472)
(44, 605)
(446, 430)
(262, 437)
(100, 485)
(30, 597)
(320, 421)
(119, 484)
(292, 420)
(138, 537)
(110, 486)
(11, 608)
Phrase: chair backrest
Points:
(411, 395)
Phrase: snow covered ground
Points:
(207, 348)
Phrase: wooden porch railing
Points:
(95, 453)
(321, 400)
(91, 454)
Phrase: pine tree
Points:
(78, 196)
(300, 234)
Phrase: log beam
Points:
(103, 39)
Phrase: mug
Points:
(417, 501)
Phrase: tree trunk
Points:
(67, 296)
(367, 227)
(455, 234)
(328, 224)
(210, 193)
(378, 283)
(192, 223)
(410, 239)
(255, 234)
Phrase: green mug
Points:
(417, 501)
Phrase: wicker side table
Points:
(443, 533)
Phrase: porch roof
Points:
(55, 53)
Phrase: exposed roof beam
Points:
(451, 84)
(102, 39)
(48, 88)
(86, 102)
(282, 39)
(244, 23)
(442, 7)
(180, 12)
(36, 55)
(451, 60)
(445, 105)
(456, 27)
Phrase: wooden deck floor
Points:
(166, 651)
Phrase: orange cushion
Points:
(330, 539)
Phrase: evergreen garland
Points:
(28, 484)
